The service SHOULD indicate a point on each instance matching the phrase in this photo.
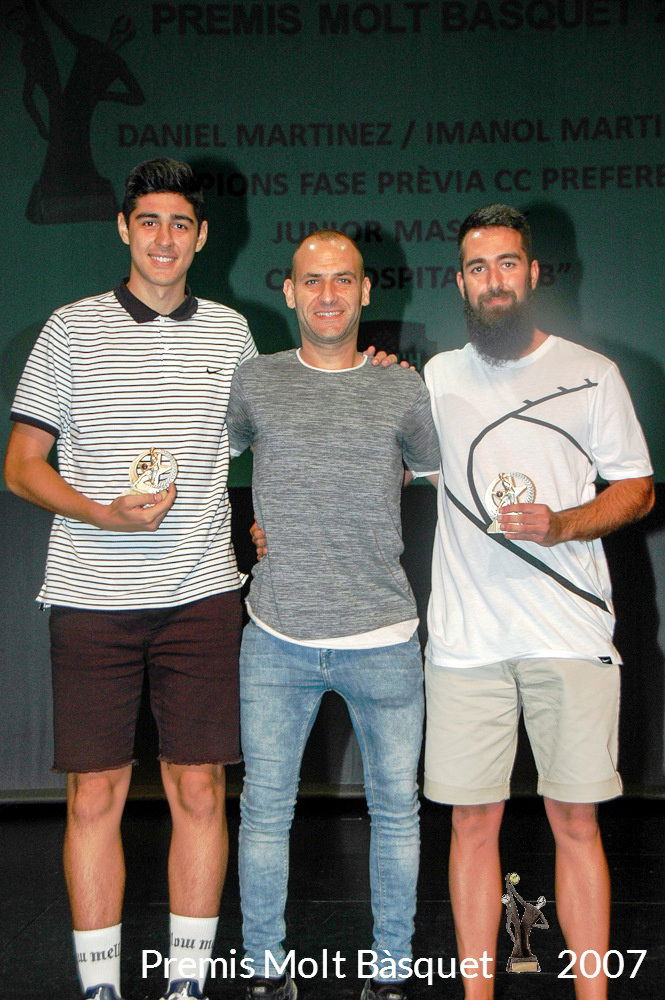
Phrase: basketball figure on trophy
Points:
(152, 471)
(522, 958)
(507, 488)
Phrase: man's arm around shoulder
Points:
(29, 475)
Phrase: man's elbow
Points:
(648, 497)
(27, 453)
(16, 467)
(12, 476)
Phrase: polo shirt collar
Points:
(141, 313)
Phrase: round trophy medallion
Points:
(152, 471)
(507, 488)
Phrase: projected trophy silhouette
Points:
(70, 188)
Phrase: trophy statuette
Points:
(519, 928)
(152, 471)
(507, 488)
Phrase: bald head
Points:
(338, 240)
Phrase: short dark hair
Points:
(498, 215)
(163, 174)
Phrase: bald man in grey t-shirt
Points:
(330, 606)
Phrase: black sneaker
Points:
(101, 992)
(378, 990)
(271, 989)
(183, 989)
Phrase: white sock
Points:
(98, 957)
(191, 940)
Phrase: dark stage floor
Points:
(329, 896)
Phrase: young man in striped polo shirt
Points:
(138, 378)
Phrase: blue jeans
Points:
(281, 686)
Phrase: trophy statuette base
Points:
(523, 964)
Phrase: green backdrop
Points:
(389, 120)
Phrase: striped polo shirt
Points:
(111, 378)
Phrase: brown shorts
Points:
(98, 662)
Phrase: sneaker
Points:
(183, 989)
(271, 989)
(101, 992)
(377, 990)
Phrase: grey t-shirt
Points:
(328, 451)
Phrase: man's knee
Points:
(196, 790)
(573, 821)
(398, 814)
(96, 796)
(477, 825)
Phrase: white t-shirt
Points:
(562, 417)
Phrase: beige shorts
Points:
(571, 713)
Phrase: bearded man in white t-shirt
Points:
(520, 615)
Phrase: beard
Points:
(500, 335)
